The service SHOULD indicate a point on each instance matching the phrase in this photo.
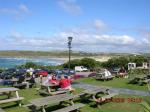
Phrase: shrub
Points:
(87, 62)
(73, 63)
(124, 60)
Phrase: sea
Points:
(6, 62)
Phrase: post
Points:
(149, 67)
(69, 46)
(69, 60)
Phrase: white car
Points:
(80, 68)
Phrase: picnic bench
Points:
(97, 91)
(91, 94)
(52, 100)
(50, 89)
(104, 98)
(145, 81)
(8, 91)
(14, 80)
(94, 95)
(141, 80)
(74, 107)
(21, 84)
(1, 110)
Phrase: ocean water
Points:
(12, 62)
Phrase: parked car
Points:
(20, 72)
(40, 73)
(57, 71)
(8, 74)
(80, 68)
(49, 71)
(66, 71)
(11, 70)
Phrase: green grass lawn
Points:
(126, 106)
(116, 82)
(118, 107)
(28, 94)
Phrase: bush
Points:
(1, 70)
(116, 62)
(35, 66)
(73, 63)
(124, 60)
(29, 65)
(138, 59)
(139, 71)
(87, 62)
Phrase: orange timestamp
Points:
(122, 100)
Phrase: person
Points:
(122, 72)
(21, 79)
(48, 78)
(30, 71)
(65, 84)
(32, 79)
(53, 80)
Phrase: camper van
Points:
(131, 66)
(80, 68)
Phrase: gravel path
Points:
(118, 90)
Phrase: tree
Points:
(73, 63)
(138, 59)
(88, 62)
(116, 62)
(30, 65)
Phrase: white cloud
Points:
(23, 8)
(83, 40)
(9, 11)
(70, 6)
(99, 24)
(15, 35)
(115, 39)
(16, 12)
(145, 40)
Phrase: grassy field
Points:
(125, 106)
(116, 82)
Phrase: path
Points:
(118, 90)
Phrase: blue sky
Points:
(96, 25)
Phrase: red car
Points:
(43, 73)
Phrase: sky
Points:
(96, 25)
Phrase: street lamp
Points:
(69, 46)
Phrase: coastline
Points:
(65, 59)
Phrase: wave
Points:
(12, 62)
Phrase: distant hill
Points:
(43, 54)
(62, 54)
